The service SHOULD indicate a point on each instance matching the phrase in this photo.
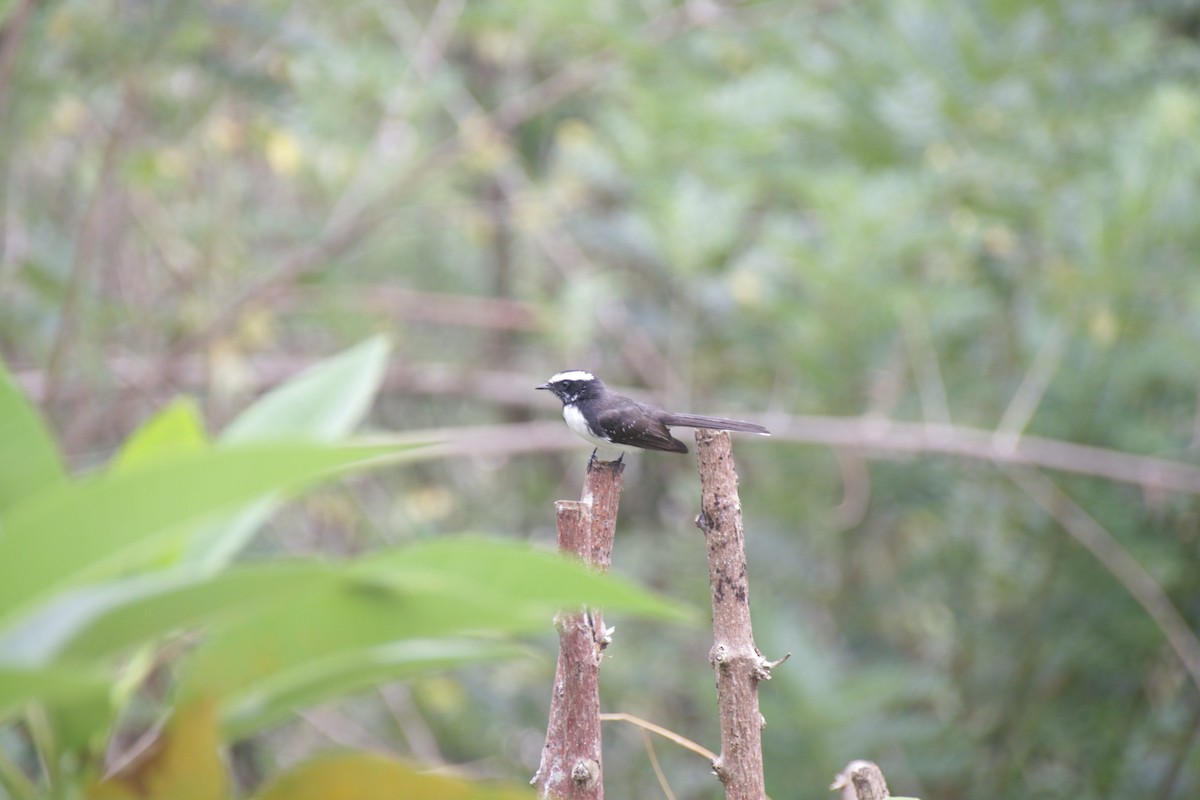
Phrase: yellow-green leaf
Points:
(29, 460)
(360, 776)
(183, 763)
(176, 430)
(71, 531)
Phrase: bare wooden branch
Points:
(861, 780)
(682, 741)
(572, 763)
(1105, 547)
(738, 664)
(874, 439)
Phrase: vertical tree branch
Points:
(735, 658)
(571, 758)
(86, 243)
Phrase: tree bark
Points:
(861, 780)
(572, 764)
(738, 664)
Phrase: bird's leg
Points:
(618, 465)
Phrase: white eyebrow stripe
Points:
(572, 375)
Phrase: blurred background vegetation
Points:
(973, 214)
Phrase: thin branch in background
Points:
(435, 308)
(512, 179)
(590, 69)
(84, 256)
(432, 47)
(421, 740)
(1187, 743)
(931, 389)
(856, 488)
(13, 28)
(871, 437)
(1118, 561)
(658, 773)
(874, 436)
(874, 439)
(13, 779)
(337, 236)
(1029, 394)
(1010, 752)
(887, 383)
(345, 731)
(1196, 420)
(428, 53)
(302, 259)
(682, 741)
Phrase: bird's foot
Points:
(618, 466)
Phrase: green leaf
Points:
(81, 529)
(104, 619)
(176, 430)
(321, 639)
(275, 699)
(313, 623)
(363, 776)
(518, 573)
(323, 403)
(29, 460)
(54, 685)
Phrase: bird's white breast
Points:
(575, 421)
(605, 450)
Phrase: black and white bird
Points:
(617, 424)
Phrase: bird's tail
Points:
(715, 423)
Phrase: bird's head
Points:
(573, 385)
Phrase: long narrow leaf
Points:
(323, 403)
(267, 642)
(29, 460)
(274, 700)
(20, 685)
(75, 530)
(93, 622)
(173, 431)
(514, 573)
(319, 637)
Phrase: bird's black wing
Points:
(639, 430)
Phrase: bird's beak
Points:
(543, 386)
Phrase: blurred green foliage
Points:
(906, 209)
(101, 593)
